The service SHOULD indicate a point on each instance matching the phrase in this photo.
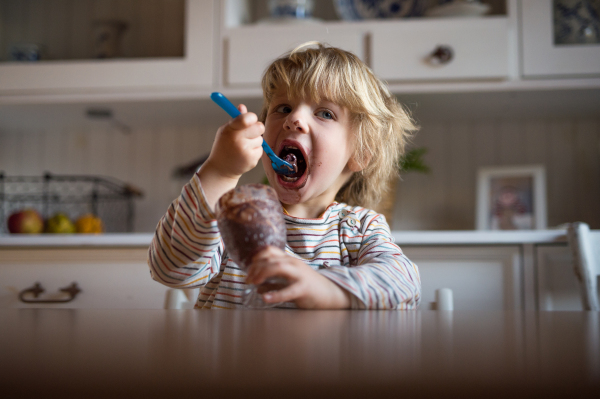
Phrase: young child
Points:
(347, 131)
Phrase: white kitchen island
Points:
(493, 270)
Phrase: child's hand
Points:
(236, 150)
(238, 146)
(308, 289)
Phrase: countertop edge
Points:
(77, 240)
(477, 237)
(462, 237)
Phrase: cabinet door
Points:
(108, 278)
(193, 69)
(542, 55)
(251, 50)
(558, 288)
(405, 51)
(481, 278)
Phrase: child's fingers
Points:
(242, 108)
(264, 269)
(240, 130)
(254, 131)
(243, 121)
(261, 259)
(268, 252)
(287, 294)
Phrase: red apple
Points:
(26, 221)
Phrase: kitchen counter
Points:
(463, 237)
(527, 270)
(77, 240)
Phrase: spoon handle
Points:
(224, 103)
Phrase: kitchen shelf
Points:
(237, 13)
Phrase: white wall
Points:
(444, 199)
(144, 158)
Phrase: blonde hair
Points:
(379, 123)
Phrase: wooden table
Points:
(214, 354)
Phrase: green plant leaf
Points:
(412, 161)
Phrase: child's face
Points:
(320, 137)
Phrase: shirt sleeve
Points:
(383, 277)
(187, 249)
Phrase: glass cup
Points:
(250, 217)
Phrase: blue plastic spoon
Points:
(279, 165)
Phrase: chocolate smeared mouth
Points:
(295, 157)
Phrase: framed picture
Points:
(511, 198)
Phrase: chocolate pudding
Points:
(250, 217)
(292, 160)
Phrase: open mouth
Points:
(294, 156)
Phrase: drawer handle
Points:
(37, 289)
(441, 55)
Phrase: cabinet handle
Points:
(441, 55)
(37, 289)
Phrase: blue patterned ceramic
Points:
(356, 10)
(576, 21)
(301, 9)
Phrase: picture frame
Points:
(511, 198)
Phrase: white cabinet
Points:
(542, 57)
(481, 278)
(557, 285)
(193, 70)
(108, 277)
(251, 49)
(415, 50)
(397, 51)
(501, 277)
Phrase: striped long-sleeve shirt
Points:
(352, 246)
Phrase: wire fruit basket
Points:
(109, 199)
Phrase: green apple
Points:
(60, 224)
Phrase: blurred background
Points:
(120, 89)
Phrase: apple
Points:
(60, 224)
(26, 221)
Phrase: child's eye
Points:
(325, 114)
(284, 109)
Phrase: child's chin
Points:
(292, 184)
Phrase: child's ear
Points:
(355, 164)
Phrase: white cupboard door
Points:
(541, 56)
(557, 284)
(192, 70)
(108, 278)
(251, 50)
(407, 51)
(481, 278)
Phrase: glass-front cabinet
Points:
(560, 38)
(58, 45)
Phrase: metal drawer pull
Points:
(37, 289)
(441, 55)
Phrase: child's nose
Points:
(294, 122)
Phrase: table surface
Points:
(274, 353)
